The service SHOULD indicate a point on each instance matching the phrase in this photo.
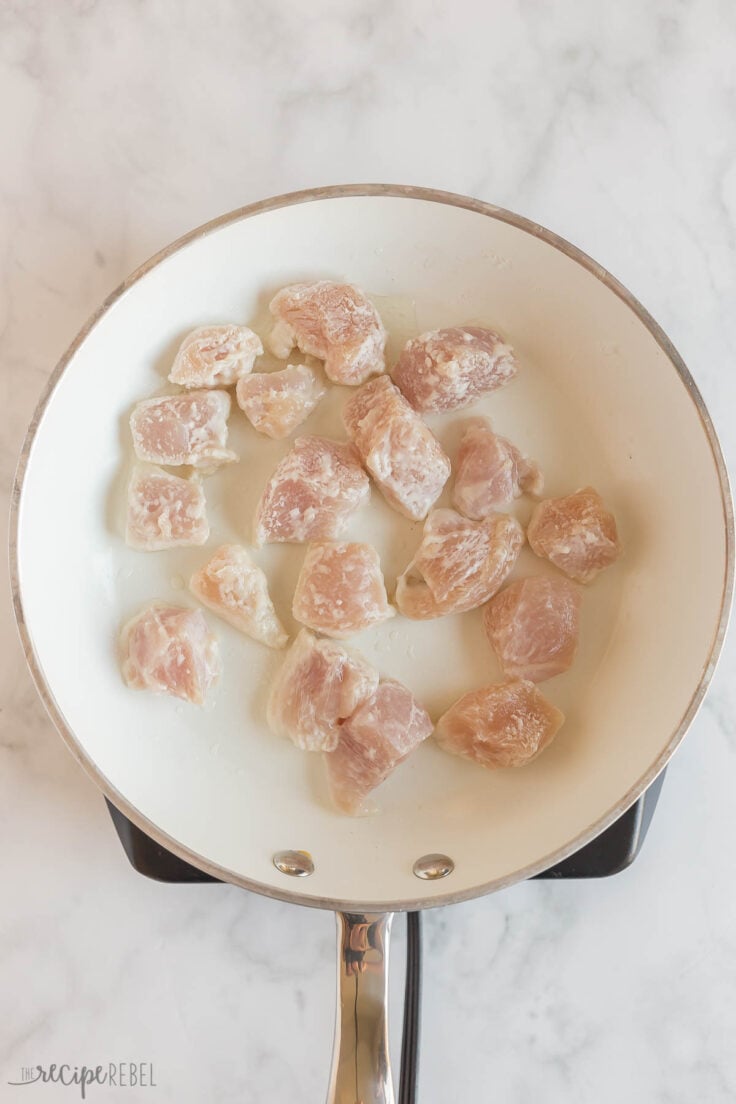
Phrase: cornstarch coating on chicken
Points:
(215, 356)
(275, 403)
(459, 564)
(576, 533)
(533, 626)
(340, 589)
(336, 323)
(170, 650)
(373, 741)
(449, 369)
(505, 725)
(183, 429)
(236, 589)
(164, 510)
(402, 454)
(312, 493)
(491, 472)
(320, 685)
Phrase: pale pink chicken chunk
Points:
(449, 369)
(505, 725)
(576, 534)
(215, 356)
(183, 429)
(336, 323)
(491, 472)
(170, 650)
(164, 510)
(401, 453)
(275, 403)
(373, 741)
(340, 589)
(319, 686)
(235, 588)
(312, 493)
(533, 627)
(459, 564)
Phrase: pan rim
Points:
(477, 206)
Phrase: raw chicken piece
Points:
(378, 736)
(340, 589)
(504, 725)
(275, 403)
(312, 493)
(215, 356)
(170, 649)
(319, 685)
(400, 452)
(183, 429)
(459, 565)
(576, 534)
(336, 323)
(491, 472)
(448, 369)
(164, 511)
(533, 627)
(234, 587)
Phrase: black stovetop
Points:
(610, 853)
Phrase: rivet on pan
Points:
(431, 867)
(297, 864)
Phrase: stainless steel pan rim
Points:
(605, 277)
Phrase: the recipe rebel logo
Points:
(119, 1075)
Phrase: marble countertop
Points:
(125, 125)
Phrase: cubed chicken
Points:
(215, 356)
(576, 533)
(340, 590)
(505, 725)
(169, 649)
(459, 564)
(275, 403)
(181, 429)
(164, 510)
(373, 741)
(533, 626)
(312, 493)
(402, 454)
(490, 472)
(449, 369)
(336, 323)
(319, 686)
(235, 588)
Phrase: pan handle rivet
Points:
(431, 867)
(297, 864)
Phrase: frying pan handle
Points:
(361, 1068)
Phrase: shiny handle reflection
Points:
(361, 1069)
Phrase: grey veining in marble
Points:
(124, 124)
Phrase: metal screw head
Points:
(431, 867)
(297, 864)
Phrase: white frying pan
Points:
(602, 398)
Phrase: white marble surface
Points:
(124, 125)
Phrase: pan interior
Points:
(597, 401)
